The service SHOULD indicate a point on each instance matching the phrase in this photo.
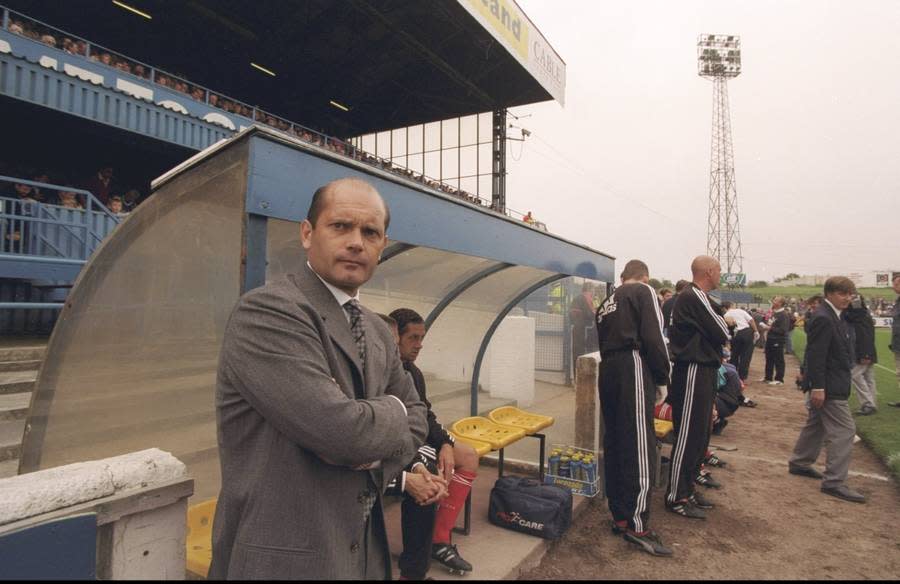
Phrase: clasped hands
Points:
(425, 488)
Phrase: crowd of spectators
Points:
(117, 199)
(36, 31)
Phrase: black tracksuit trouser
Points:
(692, 394)
(775, 359)
(417, 524)
(627, 395)
(742, 352)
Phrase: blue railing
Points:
(32, 228)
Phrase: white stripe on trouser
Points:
(642, 447)
(683, 432)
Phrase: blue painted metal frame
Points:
(62, 549)
(31, 82)
(460, 288)
(418, 217)
(476, 370)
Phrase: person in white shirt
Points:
(746, 333)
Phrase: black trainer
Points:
(713, 460)
(649, 542)
(701, 502)
(448, 556)
(704, 479)
(686, 509)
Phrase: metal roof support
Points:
(460, 288)
(476, 371)
(394, 250)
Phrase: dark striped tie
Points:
(356, 327)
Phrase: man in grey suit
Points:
(315, 412)
(827, 379)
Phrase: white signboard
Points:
(883, 321)
(509, 25)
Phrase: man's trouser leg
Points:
(897, 366)
(417, 523)
(737, 351)
(839, 428)
(693, 391)
(770, 362)
(809, 442)
(779, 363)
(864, 381)
(609, 390)
(744, 372)
(634, 435)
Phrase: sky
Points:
(623, 167)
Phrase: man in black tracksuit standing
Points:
(634, 363)
(779, 329)
(696, 338)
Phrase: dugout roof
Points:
(394, 63)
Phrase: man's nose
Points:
(355, 240)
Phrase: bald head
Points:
(706, 271)
(703, 263)
(323, 194)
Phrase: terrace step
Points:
(11, 433)
(9, 468)
(26, 365)
(34, 353)
(17, 381)
(14, 406)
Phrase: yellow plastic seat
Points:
(481, 448)
(513, 416)
(199, 537)
(663, 428)
(484, 430)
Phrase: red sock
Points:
(460, 485)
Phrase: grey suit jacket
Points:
(285, 402)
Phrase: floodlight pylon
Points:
(719, 59)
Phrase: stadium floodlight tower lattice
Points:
(719, 59)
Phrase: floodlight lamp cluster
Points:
(718, 55)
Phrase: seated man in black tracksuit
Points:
(427, 532)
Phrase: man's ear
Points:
(306, 229)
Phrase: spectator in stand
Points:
(131, 200)
(69, 200)
(16, 28)
(779, 328)
(745, 334)
(115, 206)
(862, 332)
(100, 185)
(36, 193)
(895, 332)
(17, 230)
(528, 218)
(48, 39)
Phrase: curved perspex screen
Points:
(132, 361)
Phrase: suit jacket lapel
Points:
(375, 353)
(332, 315)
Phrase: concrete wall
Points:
(140, 501)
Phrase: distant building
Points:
(869, 279)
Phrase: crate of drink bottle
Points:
(575, 469)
